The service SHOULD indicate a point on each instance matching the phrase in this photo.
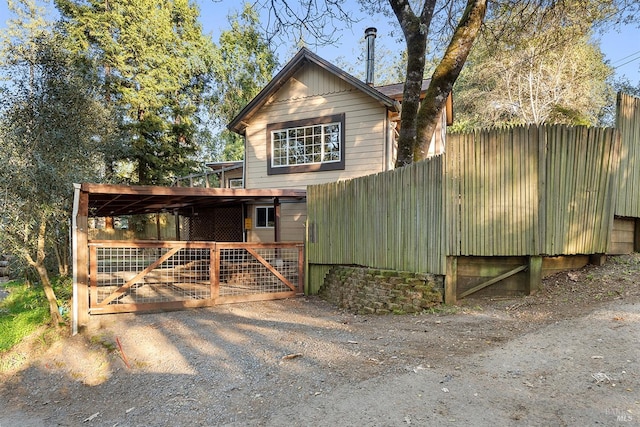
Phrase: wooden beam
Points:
(494, 280)
(276, 212)
(150, 190)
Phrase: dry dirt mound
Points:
(567, 356)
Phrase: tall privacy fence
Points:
(528, 190)
(628, 123)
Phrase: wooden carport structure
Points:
(117, 276)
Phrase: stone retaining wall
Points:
(367, 291)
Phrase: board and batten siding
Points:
(313, 92)
(628, 123)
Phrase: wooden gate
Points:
(127, 276)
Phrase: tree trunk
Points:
(61, 249)
(418, 120)
(446, 74)
(415, 30)
(39, 266)
(56, 318)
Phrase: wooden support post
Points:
(535, 275)
(176, 219)
(636, 236)
(302, 269)
(81, 262)
(214, 272)
(451, 281)
(276, 212)
(597, 259)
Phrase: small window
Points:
(236, 183)
(265, 217)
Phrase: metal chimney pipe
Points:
(370, 37)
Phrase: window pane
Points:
(271, 217)
(261, 217)
(265, 217)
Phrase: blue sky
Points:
(621, 48)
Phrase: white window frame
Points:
(316, 144)
(236, 183)
(267, 210)
(306, 145)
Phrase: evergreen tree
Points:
(244, 64)
(154, 64)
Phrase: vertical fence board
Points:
(628, 123)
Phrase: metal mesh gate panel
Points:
(182, 276)
(133, 276)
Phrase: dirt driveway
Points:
(567, 356)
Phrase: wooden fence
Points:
(628, 123)
(531, 190)
(504, 192)
(392, 220)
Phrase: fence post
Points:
(214, 272)
(80, 314)
(302, 269)
(451, 280)
(535, 274)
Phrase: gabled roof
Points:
(303, 57)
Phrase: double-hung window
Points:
(306, 145)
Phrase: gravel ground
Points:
(569, 355)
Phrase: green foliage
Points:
(154, 65)
(548, 72)
(243, 65)
(53, 133)
(26, 309)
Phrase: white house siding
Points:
(313, 92)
